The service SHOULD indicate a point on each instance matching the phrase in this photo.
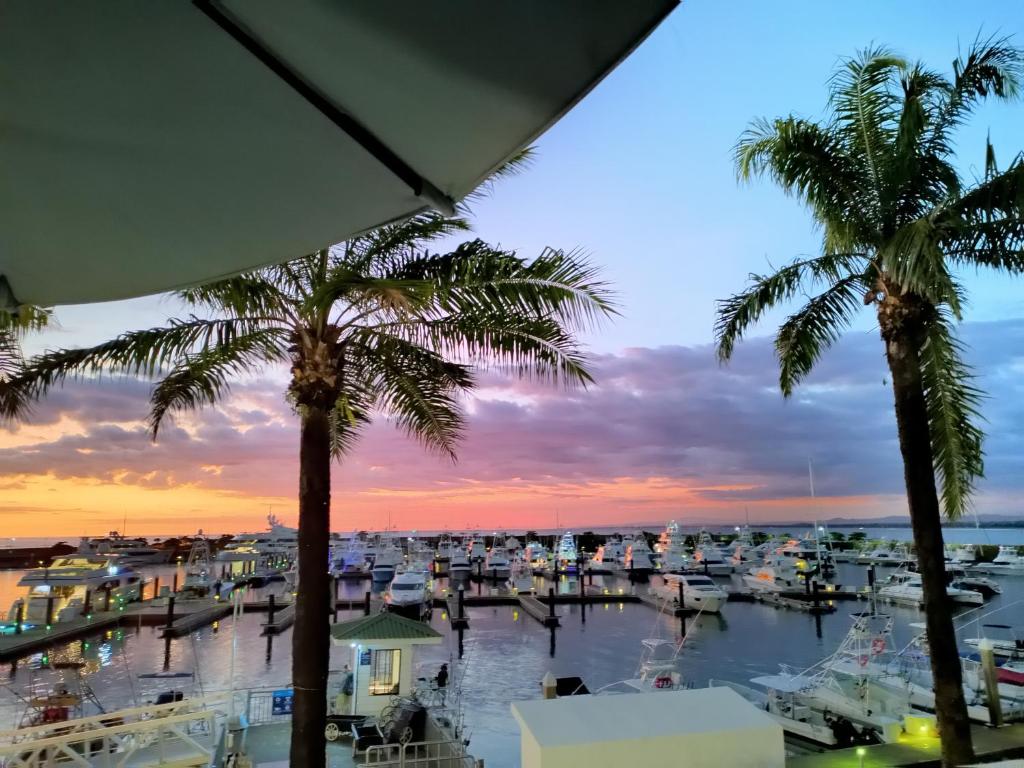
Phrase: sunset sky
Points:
(640, 176)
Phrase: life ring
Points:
(862, 660)
(663, 681)
(878, 645)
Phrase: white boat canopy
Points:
(784, 683)
(150, 146)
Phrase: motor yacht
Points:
(128, 551)
(672, 556)
(1007, 562)
(699, 593)
(386, 560)
(445, 547)
(905, 588)
(536, 554)
(74, 586)
(496, 564)
(640, 559)
(202, 578)
(566, 554)
(962, 578)
(459, 565)
(476, 548)
(776, 575)
(409, 593)
(707, 557)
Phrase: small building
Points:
(702, 728)
(382, 659)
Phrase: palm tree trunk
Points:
(311, 636)
(919, 473)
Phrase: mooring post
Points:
(707, 569)
(551, 602)
(366, 604)
(682, 626)
(49, 611)
(814, 591)
(175, 587)
(462, 604)
(19, 617)
(988, 669)
(590, 576)
(807, 585)
(170, 612)
(682, 600)
(156, 587)
(87, 603)
(270, 610)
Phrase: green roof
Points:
(383, 626)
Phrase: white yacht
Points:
(565, 554)
(672, 555)
(1007, 562)
(905, 588)
(349, 556)
(536, 554)
(459, 566)
(409, 593)
(707, 557)
(883, 554)
(639, 556)
(72, 584)
(520, 577)
(965, 554)
(476, 548)
(741, 551)
(962, 578)
(776, 575)
(445, 548)
(1006, 640)
(496, 564)
(700, 593)
(128, 551)
(386, 560)
(201, 577)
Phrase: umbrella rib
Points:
(359, 133)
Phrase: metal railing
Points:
(421, 754)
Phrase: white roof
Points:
(589, 719)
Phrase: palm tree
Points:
(14, 324)
(899, 224)
(378, 324)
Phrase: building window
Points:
(384, 672)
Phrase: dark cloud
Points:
(670, 412)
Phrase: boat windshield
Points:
(400, 587)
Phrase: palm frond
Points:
(815, 327)
(349, 416)
(205, 377)
(518, 163)
(738, 313)
(953, 404)
(252, 294)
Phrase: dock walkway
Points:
(921, 752)
(545, 614)
(283, 619)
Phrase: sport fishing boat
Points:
(776, 576)
(1008, 562)
(445, 548)
(387, 559)
(883, 554)
(496, 564)
(409, 593)
(707, 557)
(640, 559)
(839, 699)
(536, 554)
(72, 586)
(520, 577)
(672, 555)
(741, 551)
(611, 554)
(1006, 640)
(201, 577)
(476, 548)
(349, 556)
(965, 554)
(565, 554)
(905, 588)
(700, 593)
(459, 566)
(128, 551)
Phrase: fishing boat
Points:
(905, 588)
(775, 576)
(965, 554)
(410, 593)
(349, 556)
(961, 578)
(73, 586)
(883, 554)
(1006, 640)
(386, 560)
(476, 548)
(445, 548)
(496, 563)
(1007, 562)
(707, 557)
(640, 558)
(565, 554)
(459, 566)
(699, 593)
(672, 555)
(741, 551)
(520, 577)
(536, 554)
(839, 699)
(201, 578)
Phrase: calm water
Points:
(506, 653)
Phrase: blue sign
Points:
(282, 702)
(364, 658)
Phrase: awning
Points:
(146, 146)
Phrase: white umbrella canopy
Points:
(149, 146)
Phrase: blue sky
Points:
(640, 175)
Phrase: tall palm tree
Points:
(899, 225)
(14, 324)
(378, 324)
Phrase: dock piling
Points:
(271, 609)
(156, 587)
(682, 602)
(87, 603)
(170, 612)
(106, 605)
(19, 617)
(175, 587)
(49, 611)
(366, 604)
(988, 668)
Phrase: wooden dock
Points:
(918, 751)
(201, 616)
(545, 614)
(16, 646)
(282, 619)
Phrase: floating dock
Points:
(284, 617)
(183, 623)
(532, 606)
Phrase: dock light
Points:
(351, 645)
(48, 627)
(860, 754)
(924, 729)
